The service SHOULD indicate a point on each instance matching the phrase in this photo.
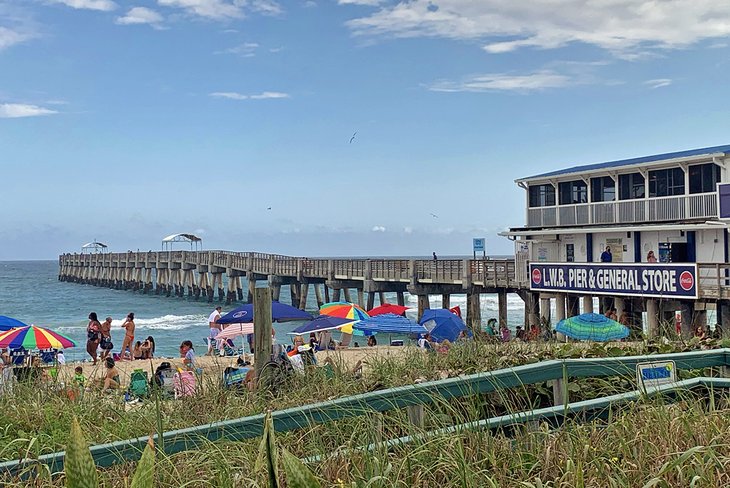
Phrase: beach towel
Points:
(138, 385)
(184, 384)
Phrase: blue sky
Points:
(125, 121)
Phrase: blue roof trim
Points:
(627, 162)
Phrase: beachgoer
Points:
(462, 336)
(505, 333)
(435, 258)
(215, 328)
(137, 350)
(313, 341)
(188, 354)
(650, 258)
(148, 348)
(520, 334)
(111, 379)
(298, 341)
(489, 329)
(425, 342)
(79, 379)
(129, 335)
(106, 344)
(444, 346)
(372, 341)
(606, 256)
(611, 314)
(60, 358)
(93, 335)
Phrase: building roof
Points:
(628, 162)
(611, 228)
(182, 238)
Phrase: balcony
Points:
(661, 209)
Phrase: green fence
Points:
(400, 397)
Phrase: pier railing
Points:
(484, 272)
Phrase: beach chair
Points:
(235, 378)
(184, 384)
(138, 384)
(344, 341)
(163, 380)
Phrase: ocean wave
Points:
(166, 322)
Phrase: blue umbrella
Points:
(592, 327)
(323, 322)
(279, 313)
(445, 324)
(7, 323)
(390, 323)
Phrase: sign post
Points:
(479, 245)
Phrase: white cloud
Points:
(223, 9)
(369, 3)
(626, 28)
(10, 37)
(140, 15)
(539, 80)
(102, 5)
(658, 83)
(240, 96)
(408, 230)
(18, 110)
(378, 228)
(246, 50)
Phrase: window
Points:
(666, 182)
(573, 192)
(631, 186)
(542, 196)
(703, 178)
(603, 189)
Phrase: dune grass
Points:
(652, 442)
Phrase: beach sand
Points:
(215, 365)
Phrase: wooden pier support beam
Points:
(303, 296)
(652, 317)
(532, 310)
(723, 318)
(473, 311)
(445, 300)
(423, 304)
(361, 297)
(318, 294)
(559, 314)
(336, 293)
(381, 297)
(401, 298)
(545, 310)
(371, 300)
(346, 292)
(239, 288)
(502, 308)
(687, 309)
(275, 292)
(326, 294)
(252, 288)
(294, 294)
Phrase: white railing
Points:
(661, 209)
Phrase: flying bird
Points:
(434, 216)
(353, 137)
(268, 208)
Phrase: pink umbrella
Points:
(234, 330)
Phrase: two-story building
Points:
(662, 207)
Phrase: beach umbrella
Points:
(323, 322)
(234, 330)
(280, 312)
(7, 323)
(592, 327)
(344, 310)
(34, 337)
(387, 308)
(389, 323)
(443, 324)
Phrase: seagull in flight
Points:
(434, 216)
(353, 137)
(268, 208)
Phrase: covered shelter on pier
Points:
(196, 243)
(94, 247)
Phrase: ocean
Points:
(30, 292)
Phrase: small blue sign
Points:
(479, 244)
(659, 280)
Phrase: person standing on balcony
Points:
(606, 256)
(650, 258)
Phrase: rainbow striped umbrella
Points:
(344, 310)
(33, 337)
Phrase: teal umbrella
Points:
(592, 327)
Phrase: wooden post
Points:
(336, 294)
(318, 294)
(401, 298)
(723, 319)
(652, 318)
(361, 297)
(381, 297)
(346, 292)
(371, 300)
(303, 296)
(445, 300)
(251, 287)
(294, 293)
(423, 304)
(473, 311)
(326, 294)
(545, 311)
(559, 314)
(275, 292)
(502, 308)
(261, 328)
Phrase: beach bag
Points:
(138, 385)
(106, 343)
(297, 363)
(184, 384)
(234, 377)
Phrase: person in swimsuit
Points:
(106, 338)
(129, 336)
(93, 336)
(111, 379)
(187, 353)
(137, 352)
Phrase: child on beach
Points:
(188, 354)
(79, 379)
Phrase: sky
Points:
(333, 127)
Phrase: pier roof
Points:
(712, 150)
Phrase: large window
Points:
(573, 192)
(603, 189)
(542, 196)
(666, 182)
(631, 186)
(703, 178)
